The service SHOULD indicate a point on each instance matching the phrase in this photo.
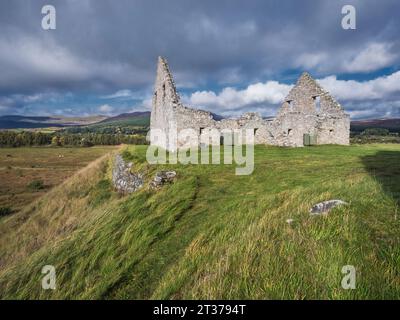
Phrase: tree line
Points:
(112, 129)
(30, 138)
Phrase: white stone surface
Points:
(300, 114)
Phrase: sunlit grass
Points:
(212, 234)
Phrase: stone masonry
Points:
(123, 180)
(308, 110)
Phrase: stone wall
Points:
(123, 180)
(308, 109)
(165, 101)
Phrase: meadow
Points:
(28, 173)
(212, 234)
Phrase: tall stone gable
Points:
(309, 109)
(165, 101)
(307, 96)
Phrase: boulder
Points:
(162, 178)
(325, 206)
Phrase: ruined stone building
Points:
(308, 115)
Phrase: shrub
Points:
(4, 211)
(126, 155)
(55, 141)
(86, 143)
(375, 132)
(36, 185)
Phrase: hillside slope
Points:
(26, 122)
(392, 125)
(212, 234)
(130, 123)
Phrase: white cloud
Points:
(372, 57)
(359, 97)
(29, 62)
(271, 92)
(375, 56)
(311, 60)
(106, 108)
(120, 94)
(44, 58)
(144, 105)
(379, 88)
(147, 103)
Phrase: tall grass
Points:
(213, 234)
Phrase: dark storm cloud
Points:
(101, 47)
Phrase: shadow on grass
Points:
(384, 166)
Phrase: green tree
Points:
(375, 132)
(55, 141)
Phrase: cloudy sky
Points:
(227, 56)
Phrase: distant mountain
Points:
(32, 122)
(131, 119)
(141, 118)
(390, 124)
(127, 116)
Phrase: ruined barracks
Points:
(309, 115)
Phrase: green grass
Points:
(36, 185)
(212, 234)
(139, 121)
(137, 124)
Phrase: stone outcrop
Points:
(309, 114)
(325, 207)
(123, 180)
(162, 178)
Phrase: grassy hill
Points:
(212, 234)
(131, 119)
(393, 125)
(131, 123)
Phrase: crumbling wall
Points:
(308, 109)
(333, 130)
(165, 101)
(197, 120)
(123, 180)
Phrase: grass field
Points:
(20, 166)
(212, 234)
